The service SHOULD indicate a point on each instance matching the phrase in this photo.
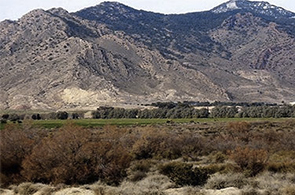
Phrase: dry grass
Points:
(28, 188)
(275, 182)
(220, 181)
(156, 184)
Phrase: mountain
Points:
(112, 54)
(259, 7)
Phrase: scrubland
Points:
(239, 157)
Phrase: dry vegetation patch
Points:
(252, 158)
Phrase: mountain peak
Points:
(232, 4)
(108, 6)
(112, 3)
(58, 11)
(260, 7)
(110, 10)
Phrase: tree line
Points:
(188, 111)
(60, 115)
(164, 112)
(167, 110)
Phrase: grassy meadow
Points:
(56, 123)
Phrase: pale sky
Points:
(14, 9)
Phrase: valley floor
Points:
(193, 158)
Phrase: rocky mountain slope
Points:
(111, 54)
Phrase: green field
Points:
(124, 122)
(118, 122)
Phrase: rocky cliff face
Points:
(112, 54)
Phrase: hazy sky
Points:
(14, 9)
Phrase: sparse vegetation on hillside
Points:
(111, 54)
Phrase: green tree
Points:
(62, 115)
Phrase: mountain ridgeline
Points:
(112, 54)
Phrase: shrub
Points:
(4, 180)
(156, 144)
(142, 165)
(219, 168)
(240, 131)
(183, 174)
(217, 157)
(116, 160)
(52, 159)
(251, 161)
(193, 145)
(287, 141)
(74, 155)
(16, 143)
(241, 127)
(138, 170)
(166, 144)
(137, 176)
